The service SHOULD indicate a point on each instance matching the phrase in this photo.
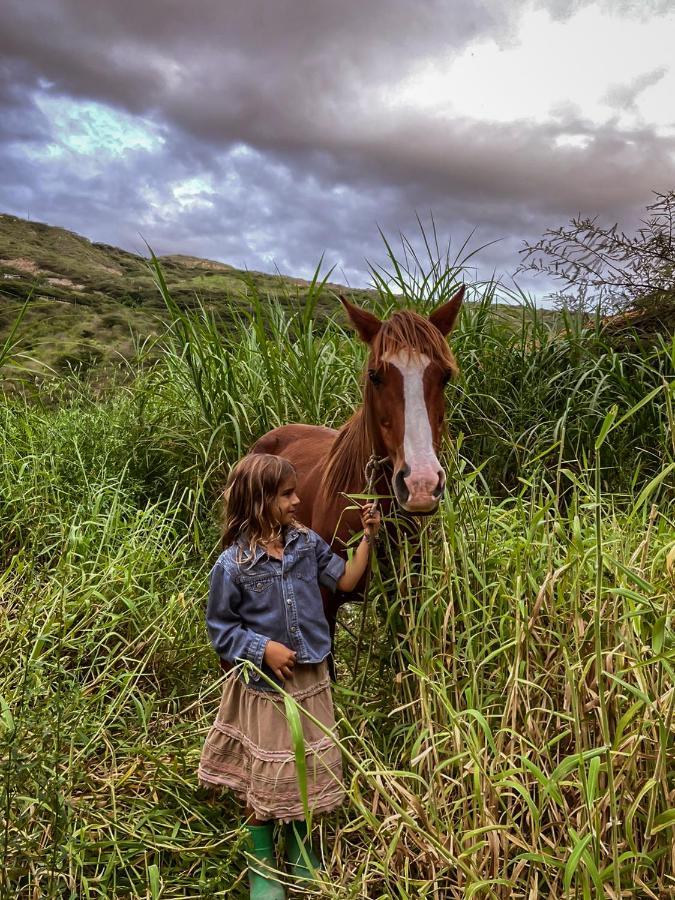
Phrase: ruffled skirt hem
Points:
(249, 751)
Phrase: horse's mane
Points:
(348, 456)
(405, 330)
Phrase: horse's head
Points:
(409, 364)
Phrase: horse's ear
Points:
(445, 316)
(365, 322)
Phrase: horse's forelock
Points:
(407, 331)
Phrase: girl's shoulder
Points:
(305, 534)
(229, 559)
(238, 557)
(312, 537)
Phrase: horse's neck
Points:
(350, 454)
(352, 450)
(344, 470)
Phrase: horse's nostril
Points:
(400, 487)
(437, 492)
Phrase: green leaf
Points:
(6, 717)
(646, 399)
(606, 426)
(153, 877)
(570, 763)
(573, 861)
(658, 633)
(631, 688)
(635, 805)
(298, 744)
(592, 782)
(649, 489)
(664, 820)
(482, 721)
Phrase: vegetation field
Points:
(505, 700)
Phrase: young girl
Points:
(265, 607)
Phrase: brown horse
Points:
(401, 420)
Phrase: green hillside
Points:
(91, 304)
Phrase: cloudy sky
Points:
(267, 132)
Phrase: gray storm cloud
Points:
(278, 105)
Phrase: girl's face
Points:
(286, 502)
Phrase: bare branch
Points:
(605, 266)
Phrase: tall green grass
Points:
(494, 661)
(508, 728)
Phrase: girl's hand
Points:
(371, 519)
(280, 659)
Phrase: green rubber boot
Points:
(302, 860)
(262, 878)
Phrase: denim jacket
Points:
(265, 599)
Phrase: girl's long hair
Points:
(250, 497)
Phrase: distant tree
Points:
(605, 267)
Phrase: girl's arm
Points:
(356, 566)
(230, 639)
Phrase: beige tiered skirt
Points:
(248, 748)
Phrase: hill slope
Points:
(91, 303)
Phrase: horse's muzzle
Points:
(417, 493)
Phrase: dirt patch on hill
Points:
(22, 264)
(66, 282)
(109, 270)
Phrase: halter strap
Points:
(372, 470)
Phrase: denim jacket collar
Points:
(292, 533)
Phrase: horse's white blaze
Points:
(418, 447)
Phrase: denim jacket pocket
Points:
(257, 583)
(305, 564)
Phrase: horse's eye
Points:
(445, 377)
(374, 376)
